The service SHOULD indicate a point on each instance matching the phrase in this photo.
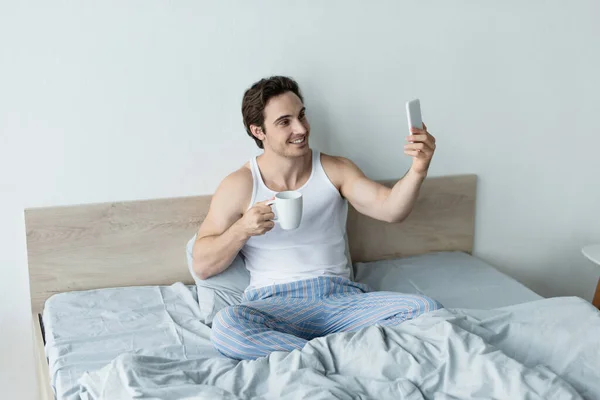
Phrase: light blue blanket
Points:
(545, 349)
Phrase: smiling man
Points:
(300, 280)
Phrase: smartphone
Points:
(413, 113)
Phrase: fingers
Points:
(421, 143)
(417, 138)
(428, 139)
(428, 144)
(264, 202)
(269, 225)
(268, 216)
(419, 134)
(418, 154)
(425, 147)
(420, 138)
(261, 219)
(263, 207)
(261, 210)
(426, 152)
(263, 228)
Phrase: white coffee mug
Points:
(288, 209)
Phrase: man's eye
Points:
(285, 122)
(302, 116)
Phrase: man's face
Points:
(286, 127)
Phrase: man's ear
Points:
(258, 132)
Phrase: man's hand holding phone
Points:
(421, 144)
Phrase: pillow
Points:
(349, 258)
(227, 288)
(219, 291)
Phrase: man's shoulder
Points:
(338, 169)
(337, 164)
(240, 178)
(242, 175)
(237, 185)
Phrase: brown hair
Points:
(256, 98)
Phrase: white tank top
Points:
(316, 248)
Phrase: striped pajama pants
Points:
(284, 317)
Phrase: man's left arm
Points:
(389, 204)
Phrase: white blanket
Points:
(545, 349)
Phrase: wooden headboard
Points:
(143, 242)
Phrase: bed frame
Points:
(138, 243)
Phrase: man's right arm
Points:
(220, 237)
(228, 226)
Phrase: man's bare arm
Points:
(372, 198)
(229, 224)
(220, 238)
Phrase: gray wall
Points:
(118, 100)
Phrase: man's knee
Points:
(417, 304)
(234, 318)
(228, 333)
(231, 315)
(225, 327)
(431, 304)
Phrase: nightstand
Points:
(592, 252)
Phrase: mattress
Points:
(85, 330)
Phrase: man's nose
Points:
(298, 127)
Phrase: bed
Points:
(116, 315)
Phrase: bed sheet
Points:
(86, 330)
(544, 349)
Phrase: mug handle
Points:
(272, 202)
